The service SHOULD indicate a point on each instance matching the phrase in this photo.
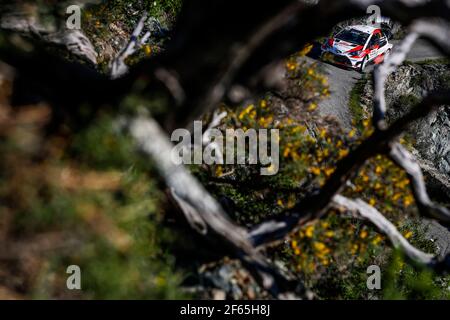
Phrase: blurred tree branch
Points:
(207, 57)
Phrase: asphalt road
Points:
(341, 81)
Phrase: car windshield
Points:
(353, 36)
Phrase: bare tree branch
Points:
(74, 41)
(118, 66)
(372, 215)
(391, 62)
(202, 211)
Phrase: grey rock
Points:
(430, 135)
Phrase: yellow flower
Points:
(219, 171)
(249, 108)
(396, 196)
(148, 50)
(312, 107)
(408, 234)
(291, 65)
(343, 153)
(329, 172)
(315, 171)
(300, 129)
(407, 201)
(372, 201)
(263, 103)
(377, 240)
(352, 133)
(363, 234)
(319, 246)
(309, 232)
(329, 234)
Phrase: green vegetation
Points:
(109, 24)
(355, 102)
(128, 13)
(91, 202)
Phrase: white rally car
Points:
(356, 46)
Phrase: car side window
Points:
(375, 40)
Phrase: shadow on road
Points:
(315, 54)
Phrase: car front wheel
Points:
(363, 64)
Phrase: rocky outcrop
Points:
(430, 137)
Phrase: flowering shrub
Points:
(331, 255)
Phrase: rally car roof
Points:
(363, 28)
